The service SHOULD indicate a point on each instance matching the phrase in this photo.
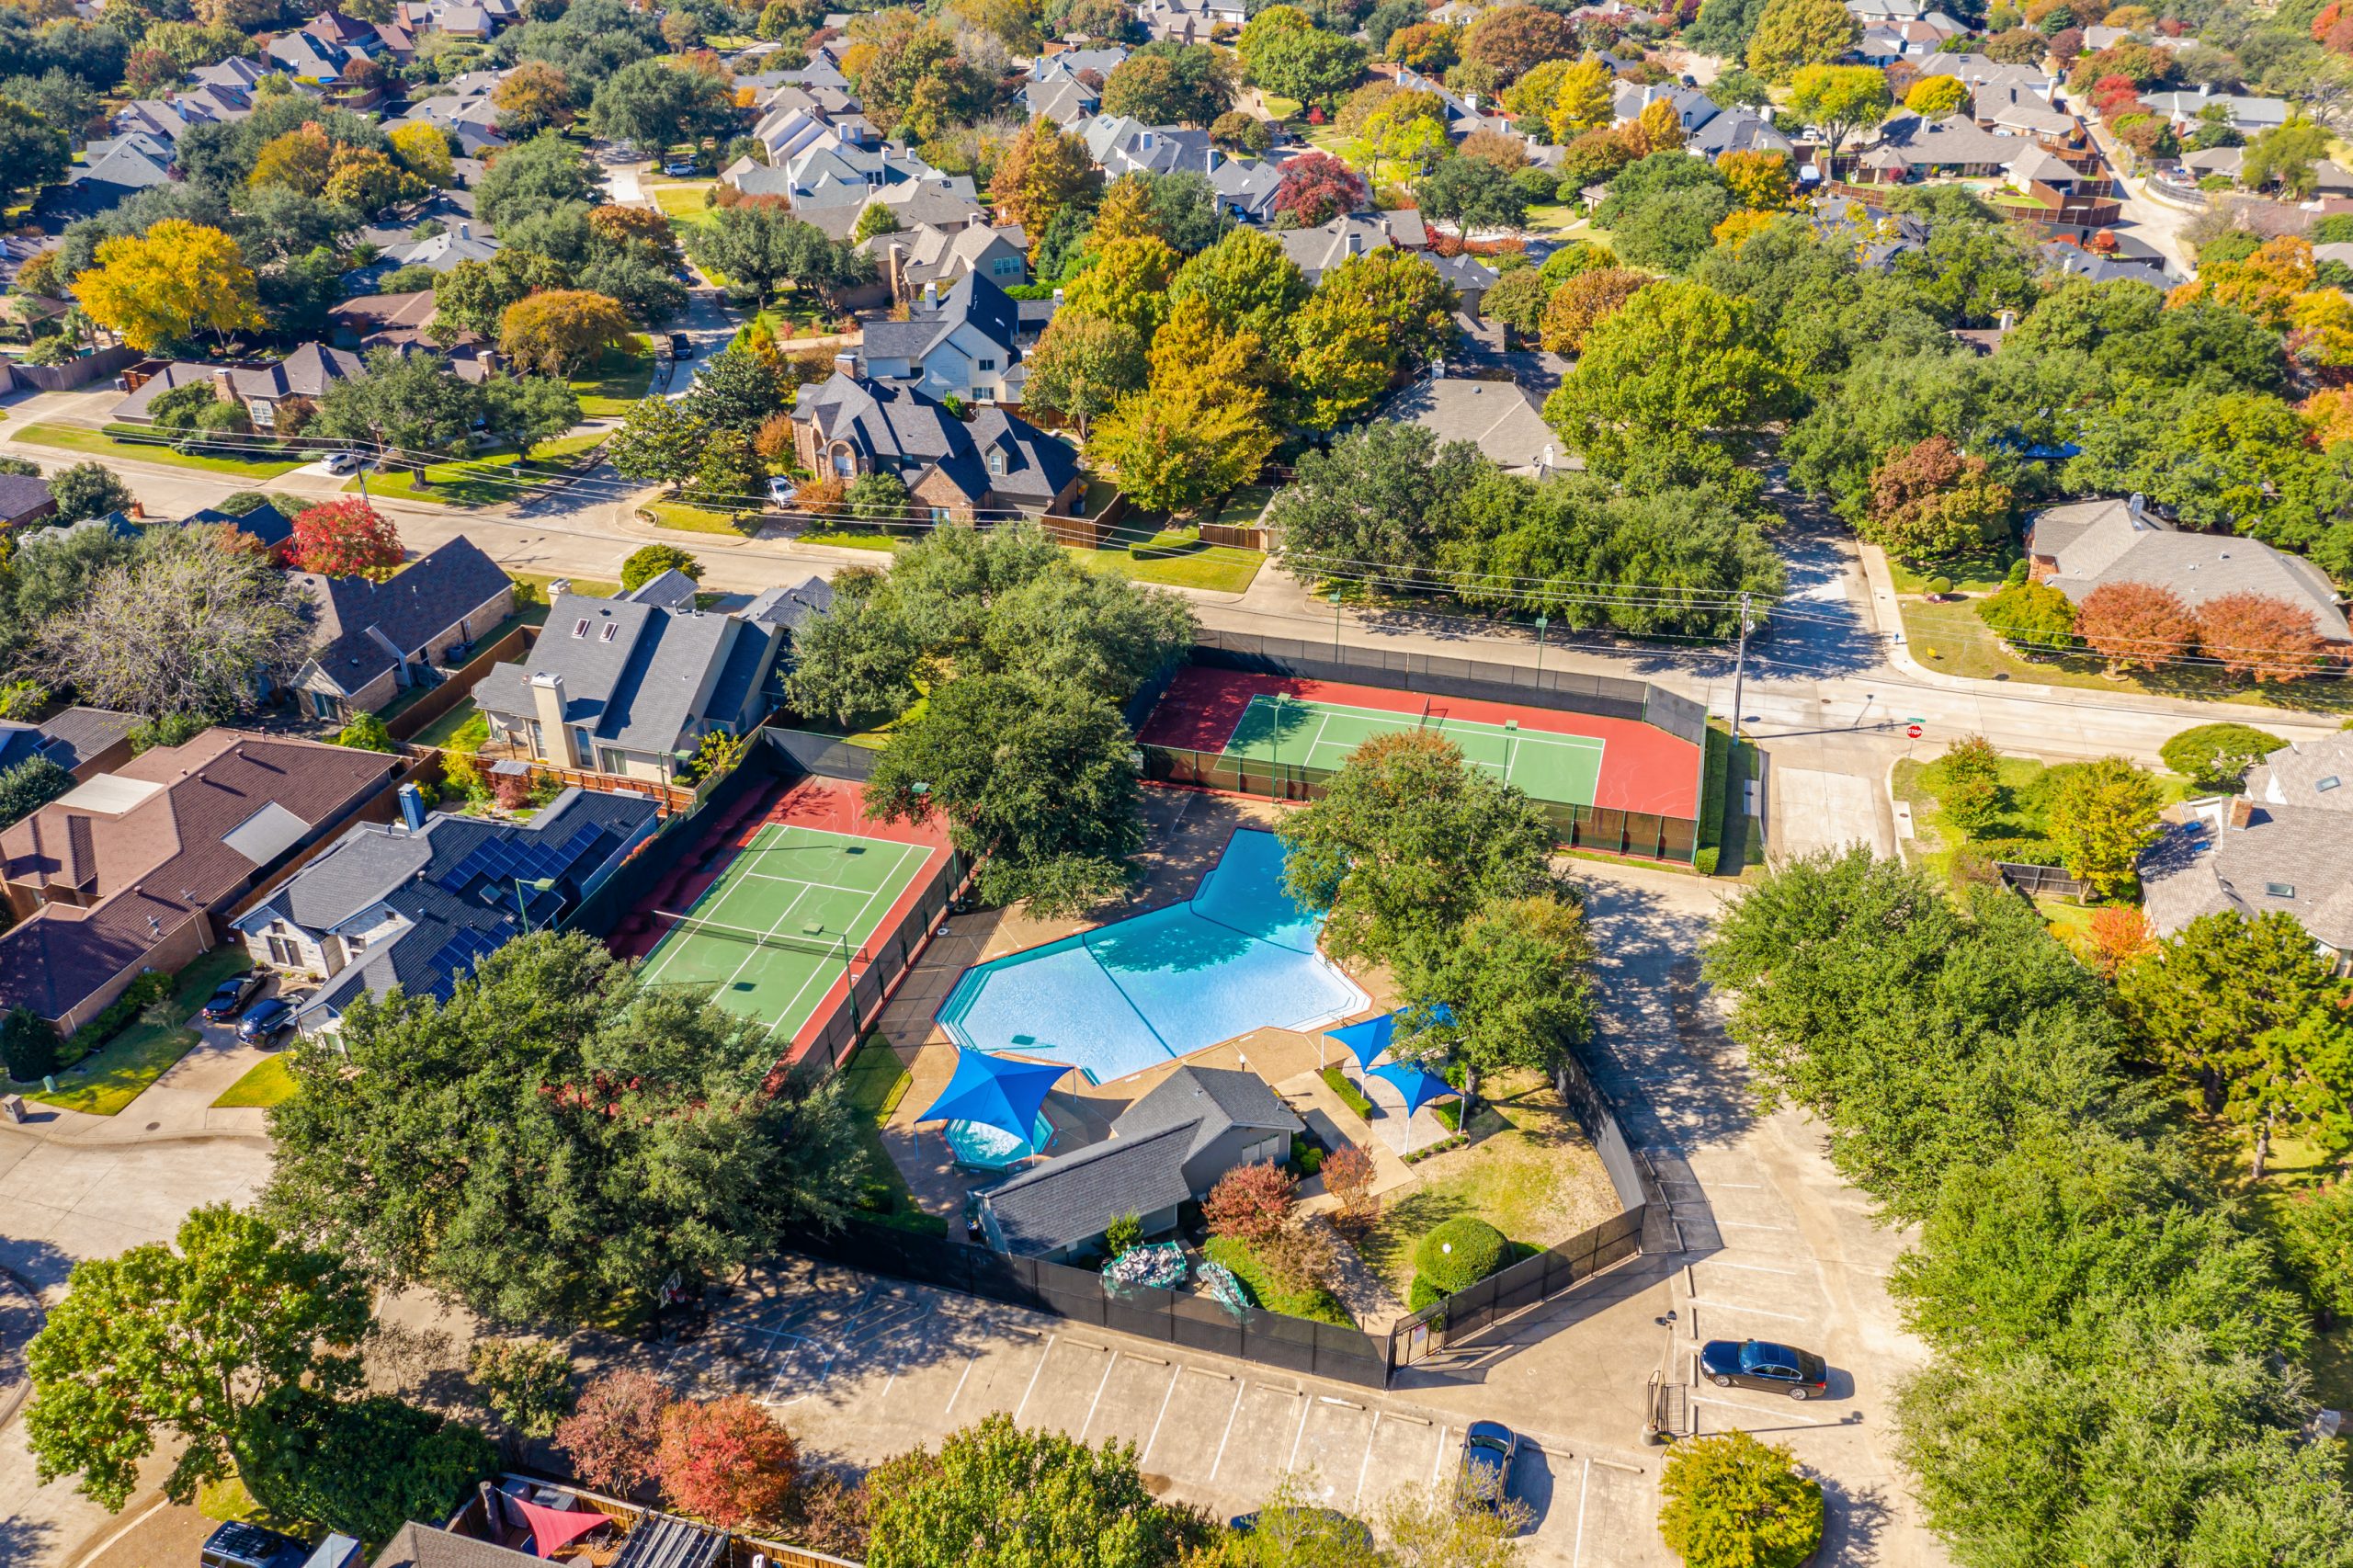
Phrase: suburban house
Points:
(2086, 544)
(1246, 186)
(2285, 844)
(931, 258)
(417, 903)
(629, 688)
(109, 174)
(1913, 145)
(265, 525)
(2248, 116)
(129, 871)
(1059, 99)
(305, 373)
(1122, 144)
(1739, 131)
(381, 321)
(1693, 109)
(83, 741)
(1167, 1148)
(1316, 251)
(966, 343)
(441, 254)
(1498, 418)
(377, 639)
(991, 464)
(1189, 21)
(25, 498)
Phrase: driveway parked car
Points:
(1758, 1364)
(229, 998)
(679, 166)
(1487, 1451)
(342, 463)
(266, 1022)
(780, 489)
(681, 347)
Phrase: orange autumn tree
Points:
(2119, 933)
(344, 538)
(2256, 634)
(2135, 624)
(2265, 285)
(726, 1461)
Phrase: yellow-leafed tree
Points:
(558, 331)
(300, 160)
(165, 286)
(1200, 428)
(424, 150)
(1585, 101)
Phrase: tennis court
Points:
(1550, 767)
(789, 919)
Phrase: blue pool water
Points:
(1240, 955)
(993, 1148)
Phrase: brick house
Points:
(989, 464)
(377, 639)
(2088, 544)
(133, 869)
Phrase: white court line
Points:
(856, 922)
(1585, 1484)
(743, 877)
(1239, 1386)
(1367, 1465)
(1110, 1365)
(1033, 1380)
(1175, 1373)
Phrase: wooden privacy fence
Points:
(418, 716)
(1240, 538)
(2033, 879)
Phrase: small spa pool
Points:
(987, 1148)
(1237, 956)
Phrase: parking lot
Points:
(861, 1369)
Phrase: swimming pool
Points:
(1238, 956)
(989, 1148)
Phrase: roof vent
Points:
(2324, 785)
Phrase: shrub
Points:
(151, 987)
(1733, 1502)
(649, 562)
(168, 730)
(2031, 617)
(1124, 1235)
(1349, 1176)
(1350, 1095)
(1456, 1255)
(30, 786)
(1249, 1202)
(28, 1045)
(1941, 587)
(2317, 1234)
(366, 733)
(1306, 1157)
(2212, 756)
(2119, 933)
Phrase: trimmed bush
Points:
(116, 1015)
(2213, 755)
(1454, 1256)
(1733, 1502)
(28, 1045)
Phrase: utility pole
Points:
(1739, 668)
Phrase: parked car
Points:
(266, 1022)
(342, 463)
(1757, 1364)
(680, 166)
(240, 1545)
(681, 347)
(780, 489)
(1487, 1451)
(229, 998)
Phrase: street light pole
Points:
(1542, 621)
(1739, 669)
(1335, 625)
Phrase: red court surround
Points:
(1643, 768)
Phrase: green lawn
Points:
(1952, 638)
(1533, 1178)
(1243, 508)
(2025, 802)
(531, 593)
(477, 482)
(848, 538)
(264, 1084)
(618, 380)
(695, 519)
(1720, 801)
(1983, 572)
(1546, 217)
(74, 438)
(437, 733)
(682, 201)
(874, 1081)
(1174, 559)
(119, 1072)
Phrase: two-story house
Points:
(967, 343)
(963, 470)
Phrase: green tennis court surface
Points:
(771, 933)
(1550, 767)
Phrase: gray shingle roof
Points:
(1211, 1100)
(2297, 860)
(2317, 774)
(888, 422)
(790, 605)
(422, 1546)
(641, 686)
(359, 618)
(1499, 417)
(78, 735)
(1074, 1199)
(21, 494)
(2097, 543)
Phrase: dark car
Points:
(238, 1545)
(229, 998)
(1756, 1364)
(268, 1021)
(681, 348)
(1487, 1451)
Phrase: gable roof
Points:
(22, 495)
(635, 675)
(891, 425)
(1317, 250)
(2291, 859)
(2315, 773)
(2097, 543)
(972, 301)
(367, 628)
(1212, 1101)
(1074, 1197)
(1498, 418)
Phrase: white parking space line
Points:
(1752, 1268)
(1761, 1312)
(1034, 1371)
(1305, 1405)
(1174, 1373)
(1584, 1484)
(1238, 1387)
(949, 1408)
(1784, 1412)
(1751, 1225)
(1439, 1458)
(1110, 1363)
(1369, 1437)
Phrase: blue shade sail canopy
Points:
(1418, 1084)
(996, 1091)
(1368, 1039)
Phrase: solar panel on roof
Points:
(458, 959)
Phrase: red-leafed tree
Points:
(1249, 1202)
(1931, 501)
(2258, 635)
(612, 1434)
(1318, 188)
(2119, 933)
(2135, 623)
(344, 538)
(726, 1461)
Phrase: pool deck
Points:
(1186, 832)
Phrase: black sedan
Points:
(1757, 1364)
(266, 1022)
(229, 998)
(1487, 1451)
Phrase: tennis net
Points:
(836, 947)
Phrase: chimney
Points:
(2135, 506)
(845, 364)
(412, 807)
(223, 386)
(1058, 296)
(2242, 811)
(465, 231)
(547, 705)
(1356, 242)
(931, 295)
(2005, 320)
(558, 587)
(895, 268)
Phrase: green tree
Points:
(1083, 366)
(1793, 35)
(763, 249)
(1678, 362)
(1308, 65)
(987, 749)
(2103, 814)
(425, 1141)
(1095, 630)
(545, 172)
(367, 1466)
(526, 1383)
(1379, 496)
(412, 405)
(1128, 283)
(648, 562)
(1200, 427)
(2289, 154)
(1733, 1502)
(88, 490)
(33, 150)
(216, 1342)
(2214, 757)
(1473, 193)
(1516, 983)
(1838, 99)
(879, 498)
(25, 787)
(1724, 29)
(1407, 844)
(2249, 1011)
(1169, 83)
(2317, 1239)
(1373, 318)
(366, 732)
(856, 661)
(659, 439)
(996, 1496)
(655, 104)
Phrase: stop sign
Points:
(1913, 731)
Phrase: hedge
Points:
(1454, 1256)
(152, 986)
(1350, 1095)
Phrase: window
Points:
(997, 463)
(355, 944)
(322, 705)
(580, 628)
(585, 744)
(611, 627)
(285, 954)
(1005, 267)
(2325, 785)
(939, 514)
(2279, 890)
(987, 364)
(843, 465)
